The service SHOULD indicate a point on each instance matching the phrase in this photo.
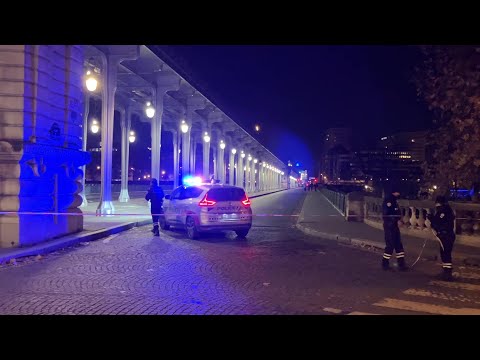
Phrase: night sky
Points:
(295, 92)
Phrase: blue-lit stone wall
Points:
(41, 153)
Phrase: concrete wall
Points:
(40, 142)
(354, 207)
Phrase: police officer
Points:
(443, 225)
(155, 195)
(391, 215)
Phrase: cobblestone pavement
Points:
(277, 270)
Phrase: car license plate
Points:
(230, 216)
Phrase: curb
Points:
(363, 243)
(323, 235)
(70, 240)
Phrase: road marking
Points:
(438, 295)
(456, 285)
(333, 310)
(425, 308)
(360, 313)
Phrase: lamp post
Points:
(254, 175)
(91, 82)
(248, 180)
(131, 137)
(206, 156)
(231, 175)
(149, 110)
(185, 136)
(240, 171)
(95, 127)
(221, 162)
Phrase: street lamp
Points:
(222, 144)
(206, 137)
(257, 128)
(149, 110)
(131, 138)
(264, 164)
(184, 127)
(234, 151)
(242, 155)
(90, 82)
(255, 161)
(94, 127)
(249, 157)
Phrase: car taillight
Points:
(206, 202)
(246, 201)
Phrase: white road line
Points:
(438, 295)
(333, 310)
(360, 313)
(456, 285)
(425, 308)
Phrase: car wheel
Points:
(191, 228)
(163, 223)
(242, 233)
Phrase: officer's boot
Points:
(385, 264)
(401, 264)
(447, 274)
(156, 231)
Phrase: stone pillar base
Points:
(84, 200)
(31, 229)
(124, 197)
(105, 208)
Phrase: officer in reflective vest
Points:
(391, 216)
(443, 225)
(155, 195)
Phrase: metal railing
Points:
(338, 199)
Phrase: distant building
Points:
(411, 145)
(396, 157)
(336, 164)
(337, 137)
(336, 155)
(303, 176)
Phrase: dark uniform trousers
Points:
(447, 238)
(393, 242)
(156, 213)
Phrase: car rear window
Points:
(226, 194)
(192, 192)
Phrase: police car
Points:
(208, 207)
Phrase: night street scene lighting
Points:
(239, 179)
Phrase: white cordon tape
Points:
(419, 255)
(149, 214)
(423, 247)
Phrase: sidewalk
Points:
(319, 218)
(127, 215)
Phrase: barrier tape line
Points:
(160, 214)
